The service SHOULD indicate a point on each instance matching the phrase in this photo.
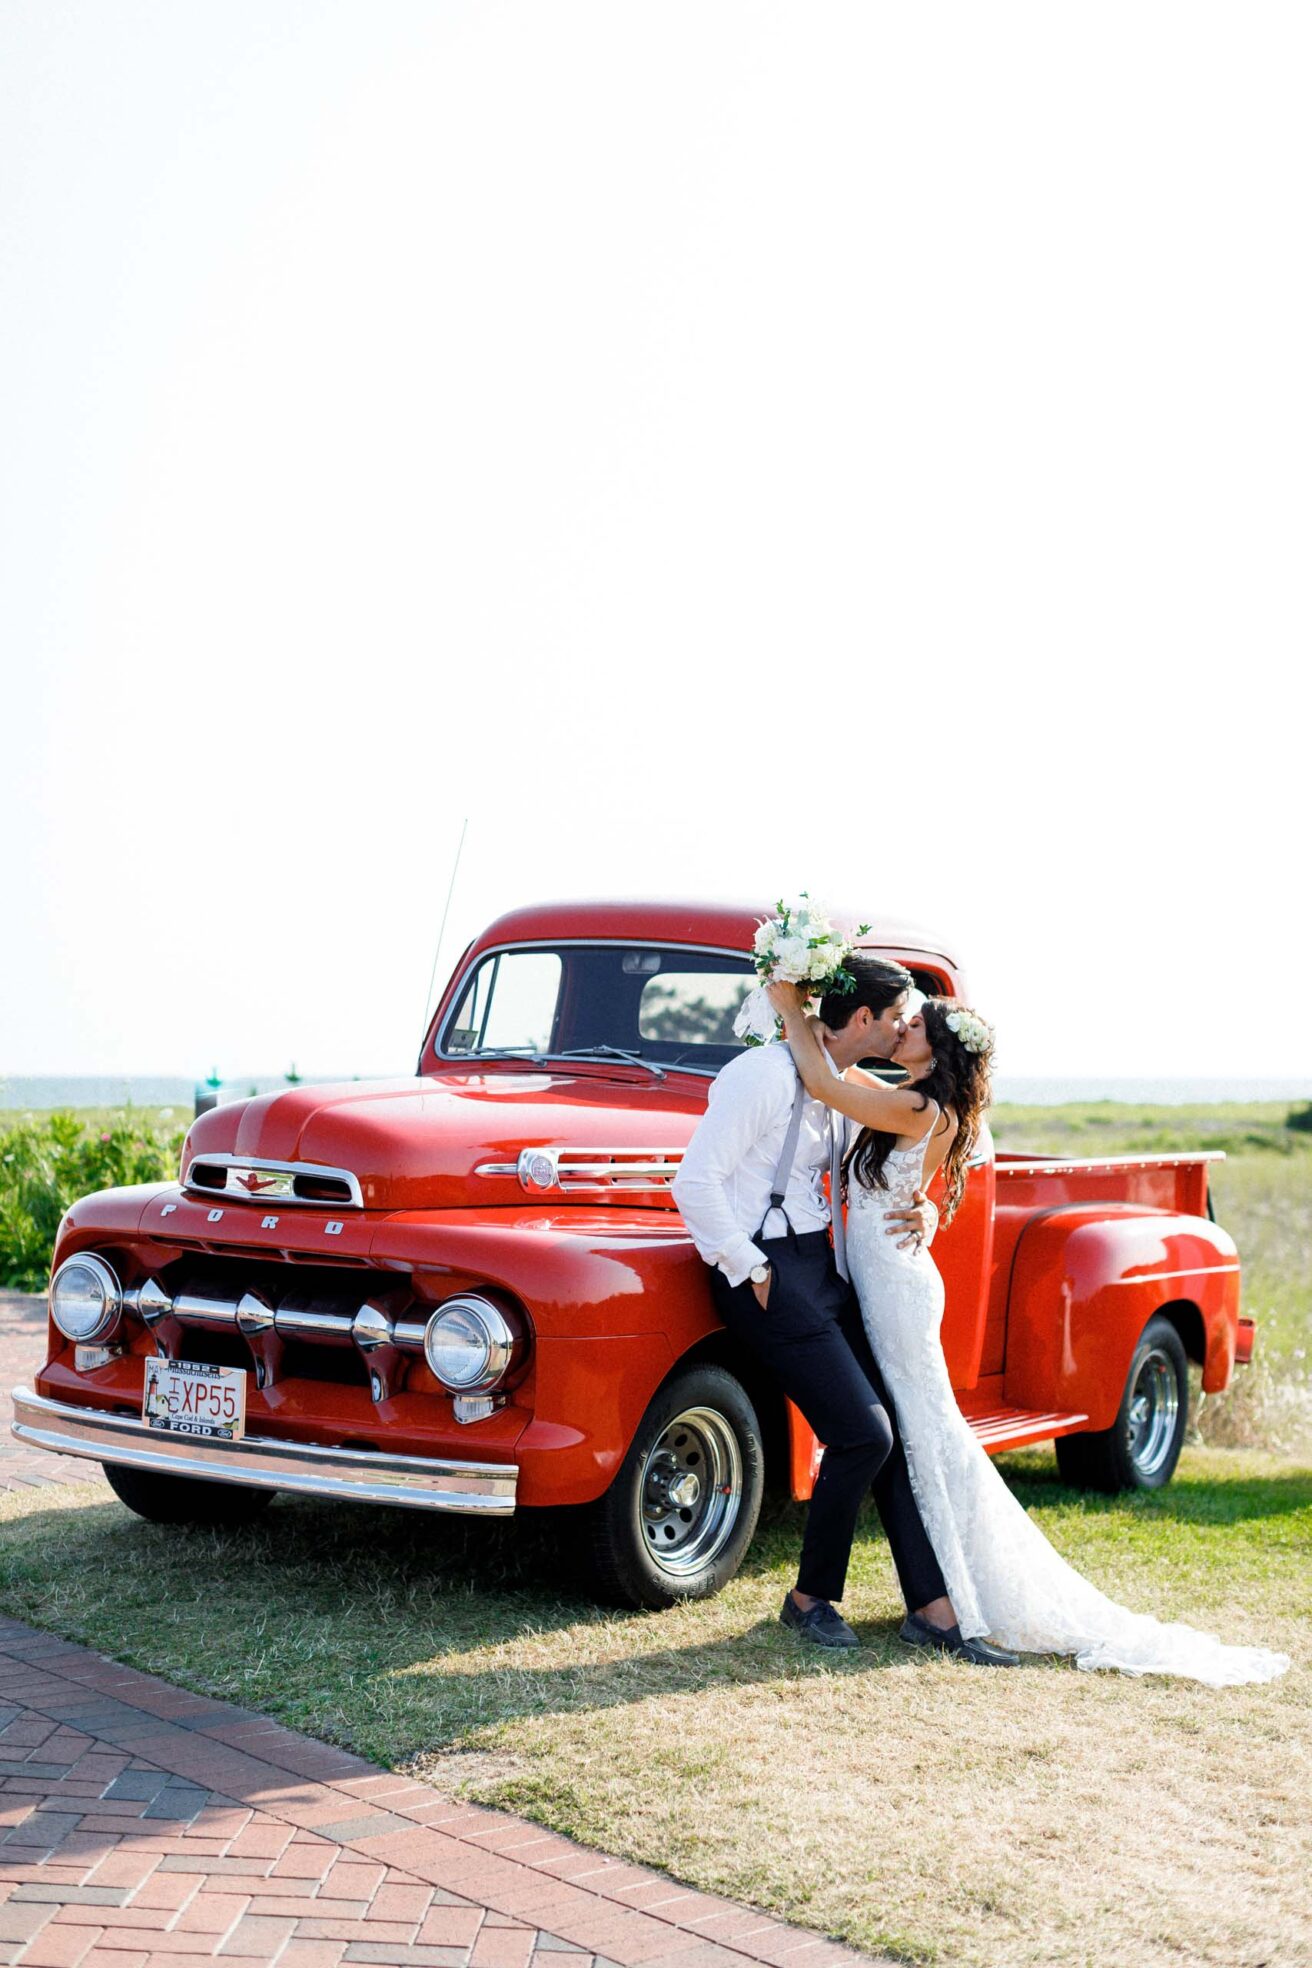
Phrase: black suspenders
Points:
(785, 1168)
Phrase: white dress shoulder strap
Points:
(923, 1140)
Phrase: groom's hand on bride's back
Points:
(914, 1228)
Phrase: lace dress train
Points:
(1004, 1578)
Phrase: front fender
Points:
(1084, 1284)
(615, 1298)
(589, 1396)
(583, 1274)
(106, 1216)
(108, 1221)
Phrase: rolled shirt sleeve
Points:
(743, 1107)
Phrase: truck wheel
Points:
(1141, 1448)
(680, 1513)
(184, 1499)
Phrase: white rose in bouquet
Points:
(800, 946)
(824, 961)
(792, 960)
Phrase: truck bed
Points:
(1029, 1188)
(1168, 1182)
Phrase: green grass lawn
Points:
(916, 1807)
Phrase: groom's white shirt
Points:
(724, 1184)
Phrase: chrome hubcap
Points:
(1154, 1410)
(691, 1492)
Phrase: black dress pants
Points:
(810, 1337)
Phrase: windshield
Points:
(664, 1005)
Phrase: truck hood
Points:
(420, 1143)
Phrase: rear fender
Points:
(1084, 1284)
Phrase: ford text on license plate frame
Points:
(189, 1397)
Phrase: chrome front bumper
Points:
(484, 1489)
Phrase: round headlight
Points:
(469, 1343)
(86, 1299)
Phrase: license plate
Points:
(187, 1397)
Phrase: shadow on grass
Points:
(366, 1626)
(482, 1580)
(397, 1633)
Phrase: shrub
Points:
(1300, 1118)
(46, 1164)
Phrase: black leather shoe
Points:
(917, 1632)
(821, 1624)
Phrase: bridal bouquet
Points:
(799, 945)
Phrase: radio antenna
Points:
(451, 888)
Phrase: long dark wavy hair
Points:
(957, 1078)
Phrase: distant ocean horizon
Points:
(35, 1094)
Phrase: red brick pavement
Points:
(144, 1827)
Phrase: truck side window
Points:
(692, 1007)
(510, 1004)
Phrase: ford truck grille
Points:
(590, 1171)
(286, 1329)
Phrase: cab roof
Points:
(719, 925)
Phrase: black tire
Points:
(652, 1540)
(1141, 1448)
(185, 1499)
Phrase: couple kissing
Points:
(845, 1312)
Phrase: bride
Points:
(1004, 1578)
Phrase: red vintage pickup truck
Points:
(471, 1290)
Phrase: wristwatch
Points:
(759, 1273)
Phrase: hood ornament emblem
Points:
(538, 1168)
(257, 1180)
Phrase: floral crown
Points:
(971, 1031)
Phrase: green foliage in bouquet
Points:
(798, 945)
(842, 981)
(47, 1163)
(818, 934)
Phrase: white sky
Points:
(719, 448)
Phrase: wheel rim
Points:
(690, 1492)
(1154, 1412)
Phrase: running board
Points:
(1017, 1428)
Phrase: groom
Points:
(749, 1191)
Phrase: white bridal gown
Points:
(1004, 1578)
